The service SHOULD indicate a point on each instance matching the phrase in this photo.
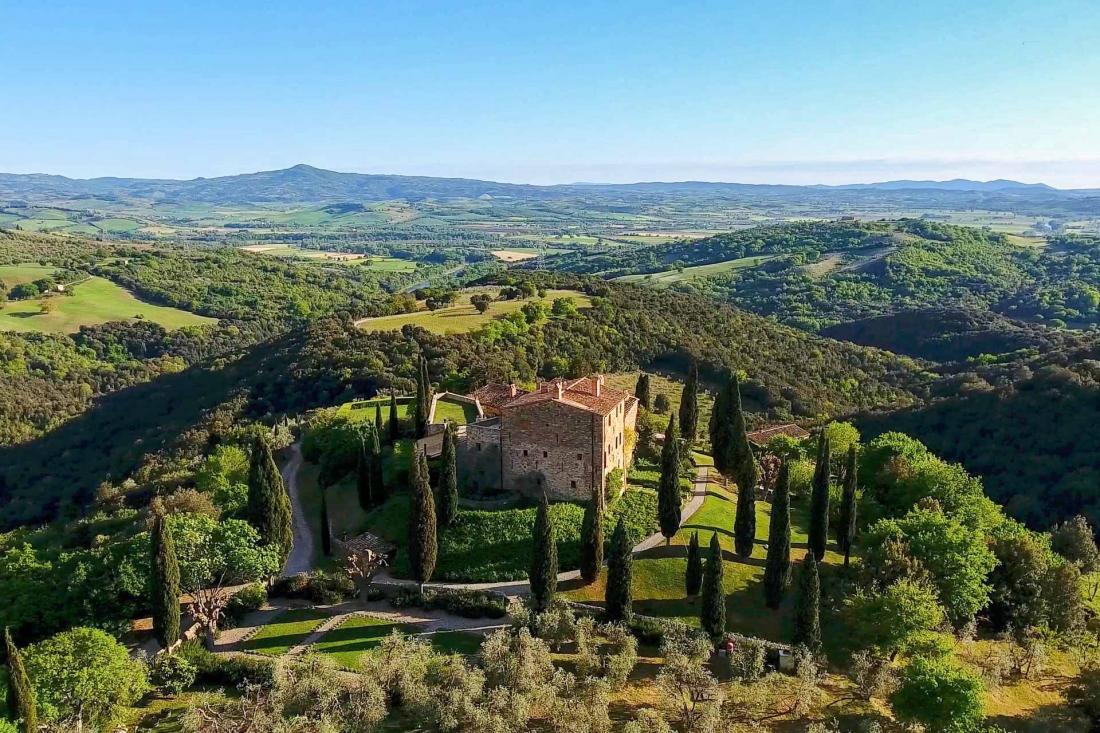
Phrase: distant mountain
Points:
(306, 184)
(955, 184)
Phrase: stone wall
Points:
(553, 447)
(478, 457)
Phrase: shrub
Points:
(320, 587)
(654, 631)
(746, 659)
(460, 602)
(248, 599)
(172, 673)
(226, 671)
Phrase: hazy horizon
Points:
(786, 91)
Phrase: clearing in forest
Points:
(462, 316)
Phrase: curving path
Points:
(300, 559)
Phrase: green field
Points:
(12, 275)
(90, 303)
(363, 410)
(691, 273)
(288, 629)
(347, 643)
(462, 317)
(371, 262)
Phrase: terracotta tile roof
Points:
(762, 436)
(494, 395)
(578, 392)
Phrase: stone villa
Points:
(562, 438)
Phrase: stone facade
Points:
(563, 438)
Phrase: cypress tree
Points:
(712, 610)
(422, 527)
(819, 501)
(721, 428)
(543, 573)
(268, 503)
(166, 579)
(592, 540)
(364, 486)
(693, 578)
(689, 406)
(620, 565)
(777, 568)
(448, 479)
(846, 529)
(423, 399)
(395, 424)
(379, 490)
(22, 704)
(743, 467)
(326, 530)
(378, 427)
(641, 390)
(668, 490)
(807, 614)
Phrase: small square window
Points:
(572, 484)
(545, 454)
(580, 456)
(525, 451)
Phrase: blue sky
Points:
(797, 91)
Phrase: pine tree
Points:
(166, 580)
(378, 426)
(423, 399)
(22, 704)
(668, 490)
(379, 490)
(448, 479)
(712, 609)
(268, 503)
(422, 526)
(364, 486)
(846, 527)
(620, 565)
(819, 501)
(693, 578)
(721, 427)
(592, 540)
(641, 390)
(326, 530)
(689, 406)
(807, 614)
(743, 467)
(777, 568)
(395, 424)
(543, 573)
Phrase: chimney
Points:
(512, 389)
(597, 382)
(561, 388)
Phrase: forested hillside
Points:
(823, 273)
(788, 373)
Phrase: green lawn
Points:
(363, 410)
(288, 629)
(360, 634)
(690, 273)
(495, 545)
(455, 411)
(658, 580)
(462, 317)
(92, 302)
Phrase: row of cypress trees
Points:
(431, 512)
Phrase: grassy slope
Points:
(462, 317)
(93, 301)
(690, 273)
(289, 628)
(659, 573)
(347, 643)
